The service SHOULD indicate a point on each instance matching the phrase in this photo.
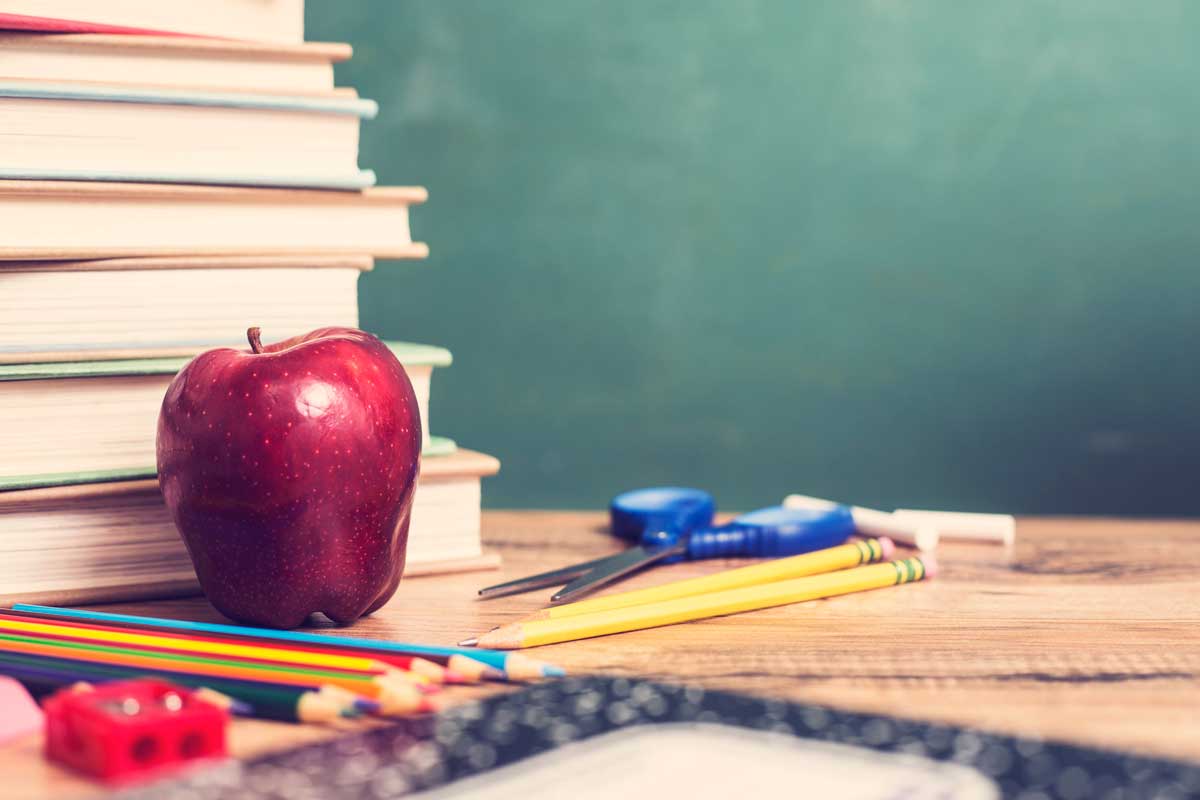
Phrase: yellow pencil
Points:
(208, 647)
(716, 604)
(831, 559)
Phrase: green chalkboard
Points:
(937, 254)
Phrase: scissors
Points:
(674, 524)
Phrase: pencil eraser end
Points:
(929, 560)
(888, 547)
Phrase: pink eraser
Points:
(888, 547)
(19, 713)
(931, 565)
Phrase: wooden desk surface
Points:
(1088, 631)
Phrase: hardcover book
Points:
(101, 416)
(263, 20)
(171, 62)
(83, 131)
(147, 307)
(110, 541)
(58, 220)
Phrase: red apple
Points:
(289, 470)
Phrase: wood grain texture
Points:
(1087, 631)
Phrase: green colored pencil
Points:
(267, 669)
(398, 698)
(266, 701)
(514, 665)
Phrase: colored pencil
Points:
(845, 556)
(41, 680)
(512, 665)
(10, 639)
(66, 636)
(414, 664)
(202, 693)
(64, 640)
(396, 697)
(230, 704)
(716, 604)
(265, 701)
(425, 669)
(244, 652)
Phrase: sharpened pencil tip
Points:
(551, 671)
(455, 677)
(474, 640)
(240, 708)
(367, 706)
(493, 674)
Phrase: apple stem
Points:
(255, 337)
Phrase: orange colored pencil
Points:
(291, 651)
(80, 642)
(251, 652)
(247, 654)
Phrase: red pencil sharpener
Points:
(130, 730)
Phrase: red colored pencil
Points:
(466, 672)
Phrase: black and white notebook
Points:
(621, 739)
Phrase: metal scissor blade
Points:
(612, 568)
(543, 579)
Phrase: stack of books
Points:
(162, 190)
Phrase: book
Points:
(105, 542)
(55, 220)
(101, 417)
(153, 307)
(262, 20)
(82, 131)
(172, 62)
(446, 516)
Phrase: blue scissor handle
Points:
(773, 532)
(661, 517)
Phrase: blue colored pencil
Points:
(44, 679)
(515, 666)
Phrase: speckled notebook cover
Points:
(452, 750)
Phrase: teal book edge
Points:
(316, 104)
(438, 446)
(352, 181)
(409, 353)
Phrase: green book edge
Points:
(418, 355)
(438, 446)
